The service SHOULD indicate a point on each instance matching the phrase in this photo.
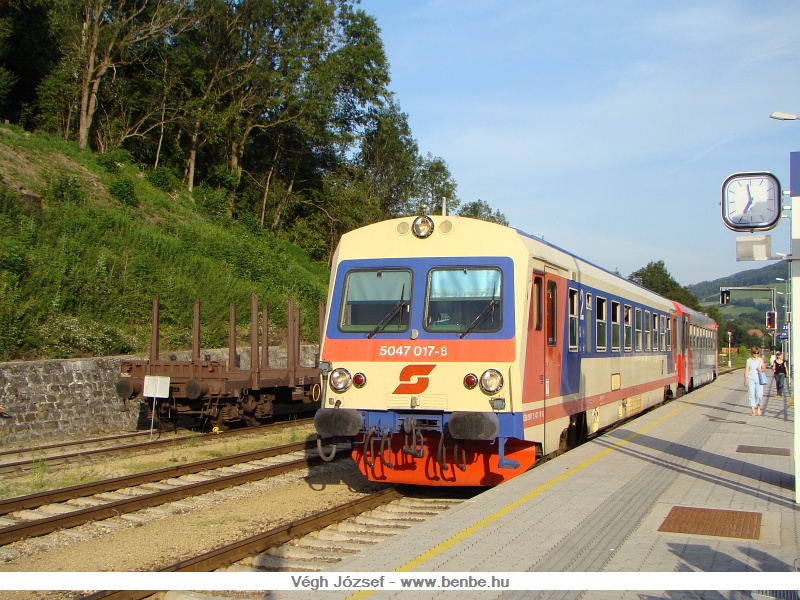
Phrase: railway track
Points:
(21, 460)
(314, 543)
(45, 512)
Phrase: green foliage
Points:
(124, 191)
(79, 279)
(481, 210)
(114, 161)
(212, 201)
(164, 179)
(66, 189)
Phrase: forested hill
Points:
(83, 255)
(190, 148)
(708, 291)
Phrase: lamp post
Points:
(794, 330)
(788, 351)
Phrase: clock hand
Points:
(749, 201)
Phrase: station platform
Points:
(695, 485)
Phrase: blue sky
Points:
(606, 127)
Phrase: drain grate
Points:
(712, 521)
(763, 450)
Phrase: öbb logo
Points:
(414, 379)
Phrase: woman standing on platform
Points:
(753, 372)
(779, 368)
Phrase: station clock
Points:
(751, 201)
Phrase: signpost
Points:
(155, 386)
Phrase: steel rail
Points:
(72, 457)
(109, 485)
(227, 555)
(13, 533)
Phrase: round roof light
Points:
(422, 227)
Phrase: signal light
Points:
(772, 320)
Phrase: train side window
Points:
(602, 325)
(588, 322)
(662, 333)
(615, 326)
(628, 327)
(647, 338)
(573, 320)
(535, 318)
(550, 313)
(637, 328)
(669, 334)
(656, 346)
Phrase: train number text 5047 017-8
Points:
(412, 350)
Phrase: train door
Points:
(535, 351)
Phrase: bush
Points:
(66, 190)
(113, 161)
(124, 191)
(212, 201)
(163, 178)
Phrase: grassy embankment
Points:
(96, 238)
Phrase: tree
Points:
(388, 159)
(657, 278)
(480, 209)
(434, 183)
(97, 38)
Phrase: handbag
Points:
(762, 379)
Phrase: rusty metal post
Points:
(292, 343)
(265, 339)
(196, 332)
(154, 332)
(232, 339)
(254, 361)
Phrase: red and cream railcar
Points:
(458, 351)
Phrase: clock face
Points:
(751, 201)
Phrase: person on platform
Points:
(755, 390)
(779, 368)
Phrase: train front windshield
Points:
(376, 300)
(464, 300)
(459, 300)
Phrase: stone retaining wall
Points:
(59, 399)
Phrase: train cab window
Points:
(647, 338)
(656, 346)
(573, 320)
(637, 329)
(375, 301)
(616, 322)
(628, 327)
(602, 325)
(550, 313)
(464, 300)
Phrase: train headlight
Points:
(422, 227)
(491, 381)
(470, 381)
(340, 379)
